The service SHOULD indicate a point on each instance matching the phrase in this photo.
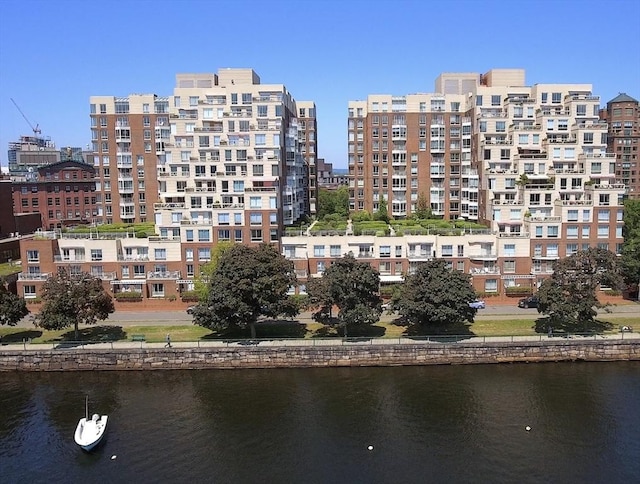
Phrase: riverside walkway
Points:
(559, 338)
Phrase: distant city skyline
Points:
(55, 55)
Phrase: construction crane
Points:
(36, 129)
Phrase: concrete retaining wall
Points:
(305, 356)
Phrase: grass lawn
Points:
(8, 268)
(285, 329)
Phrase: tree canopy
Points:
(73, 299)
(202, 281)
(350, 285)
(435, 295)
(423, 210)
(630, 261)
(569, 297)
(12, 307)
(382, 213)
(248, 282)
(333, 202)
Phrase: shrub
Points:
(128, 296)
(190, 296)
(518, 291)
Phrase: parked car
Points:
(477, 304)
(528, 302)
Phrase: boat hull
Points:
(89, 433)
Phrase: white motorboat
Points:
(90, 431)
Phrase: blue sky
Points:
(55, 54)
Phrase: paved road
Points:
(177, 318)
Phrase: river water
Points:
(426, 424)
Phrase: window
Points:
(318, 250)
(572, 215)
(256, 235)
(491, 285)
(96, 255)
(138, 271)
(495, 100)
(509, 266)
(603, 215)
(255, 202)
(33, 256)
(204, 254)
(509, 250)
(320, 267)
(571, 249)
(157, 290)
(556, 97)
(255, 218)
(552, 231)
(385, 251)
(572, 232)
(29, 292)
(447, 251)
(188, 254)
(160, 254)
(203, 235)
(585, 231)
(189, 235)
(603, 231)
(334, 251)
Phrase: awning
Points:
(129, 281)
(524, 276)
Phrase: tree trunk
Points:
(75, 337)
(252, 327)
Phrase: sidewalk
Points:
(281, 343)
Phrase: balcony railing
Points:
(163, 275)
(25, 276)
(70, 259)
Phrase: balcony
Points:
(105, 276)
(543, 219)
(69, 259)
(481, 271)
(483, 256)
(574, 202)
(25, 276)
(132, 258)
(163, 275)
(167, 206)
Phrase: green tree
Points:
(569, 297)
(423, 210)
(435, 295)
(630, 260)
(350, 285)
(248, 282)
(12, 307)
(71, 300)
(382, 213)
(202, 281)
(333, 202)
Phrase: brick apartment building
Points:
(64, 193)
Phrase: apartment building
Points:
(622, 114)
(494, 263)
(234, 170)
(308, 141)
(63, 193)
(403, 146)
(529, 161)
(129, 136)
(150, 266)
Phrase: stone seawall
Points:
(314, 356)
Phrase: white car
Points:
(477, 304)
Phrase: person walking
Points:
(168, 345)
